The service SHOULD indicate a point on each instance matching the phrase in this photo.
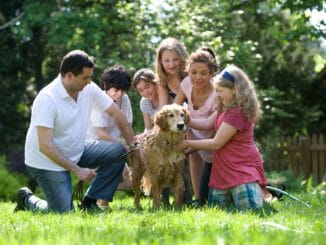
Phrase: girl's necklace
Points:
(200, 98)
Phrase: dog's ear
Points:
(187, 115)
(160, 120)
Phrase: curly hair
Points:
(116, 77)
(178, 48)
(245, 97)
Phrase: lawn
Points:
(291, 223)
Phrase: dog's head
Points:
(172, 118)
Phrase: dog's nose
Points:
(180, 126)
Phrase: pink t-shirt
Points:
(203, 112)
(238, 161)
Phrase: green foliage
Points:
(291, 224)
(310, 186)
(272, 149)
(138, 123)
(291, 183)
(320, 189)
(267, 39)
(274, 110)
(273, 41)
(10, 182)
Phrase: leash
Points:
(288, 195)
(132, 148)
(78, 193)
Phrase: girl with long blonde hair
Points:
(237, 174)
(171, 56)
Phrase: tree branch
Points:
(11, 22)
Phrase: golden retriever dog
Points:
(157, 160)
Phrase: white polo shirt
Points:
(54, 108)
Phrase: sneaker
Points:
(22, 194)
(92, 208)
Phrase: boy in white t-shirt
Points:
(115, 82)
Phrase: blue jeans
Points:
(57, 187)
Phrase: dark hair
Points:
(116, 77)
(204, 55)
(146, 75)
(75, 61)
(209, 50)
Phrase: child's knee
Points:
(247, 196)
(220, 198)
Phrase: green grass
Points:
(293, 223)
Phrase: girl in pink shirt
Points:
(198, 91)
(237, 171)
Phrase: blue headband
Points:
(228, 76)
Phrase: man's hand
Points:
(48, 148)
(85, 174)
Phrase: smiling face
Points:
(225, 95)
(199, 75)
(115, 93)
(147, 90)
(170, 62)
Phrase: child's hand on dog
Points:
(182, 146)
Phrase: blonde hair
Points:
(245, 97)
(178, 48)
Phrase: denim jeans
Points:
(103, 155)
(57, 188)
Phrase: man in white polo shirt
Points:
(56, 140)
